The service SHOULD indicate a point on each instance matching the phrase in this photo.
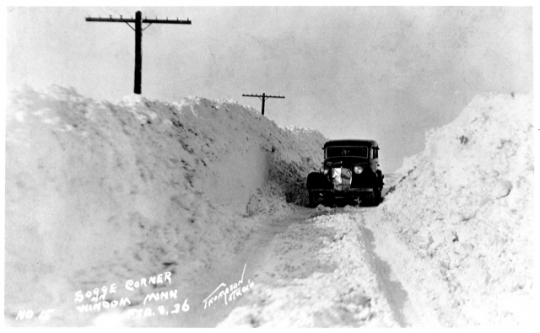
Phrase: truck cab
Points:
(350, 170)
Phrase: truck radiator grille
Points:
(341, 178)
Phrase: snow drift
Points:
(465, 204)
(100, 192)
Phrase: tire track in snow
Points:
(393, 290)
(426, 304)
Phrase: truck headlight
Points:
(324, 170)
(358, 169)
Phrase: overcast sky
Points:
(383, 73)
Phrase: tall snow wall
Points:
(100, 192)
(465, 204)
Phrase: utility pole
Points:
(138, 38)
(263, 98)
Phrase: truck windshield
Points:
(347, 151)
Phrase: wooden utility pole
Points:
(138, 38)
(263, 98)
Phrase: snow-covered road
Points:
(332, 267)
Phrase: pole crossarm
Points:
(132, 20)
(111, 19)
(262, 96)
(167, 21)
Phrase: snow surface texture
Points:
(465, 206)
(100, 192)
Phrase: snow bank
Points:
(100, 192)
(466, 205)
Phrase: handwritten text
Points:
(229, 293)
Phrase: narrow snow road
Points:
(334, 267)
(317, 272)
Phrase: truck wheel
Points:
(381, 177)
(377, 197)
(312, 200)
(329, 200)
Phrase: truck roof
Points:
(350, 142)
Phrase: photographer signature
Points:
(229, 293)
